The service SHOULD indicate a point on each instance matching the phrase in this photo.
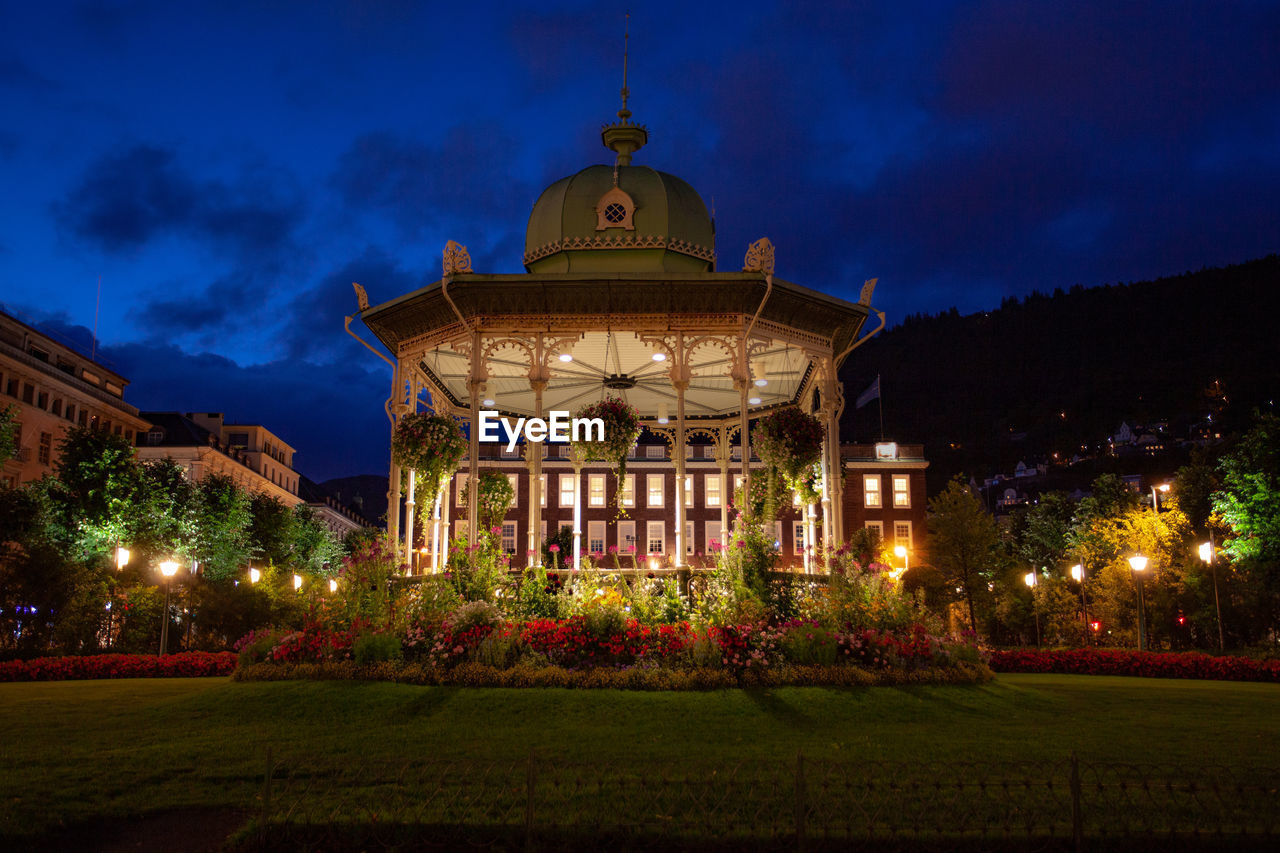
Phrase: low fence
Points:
(806, 804)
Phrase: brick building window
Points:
(901, 490)
(871, 490)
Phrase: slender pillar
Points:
(409, 504)
(577, 512)
(826, 497)
(722, 459)
(535, 479)
(681, 384)
(447, 512)
(744, 439)
(435, 528)
(810, 537)
(473, 471)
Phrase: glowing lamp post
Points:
(1155, 498)
(1031, 580)
(122, 558)
(333, 585)
(297, 583)
(168, 568)
(901, 552)
(1078, 575)
(254, 575)
(1206, 554)
(1139, 564)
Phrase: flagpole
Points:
(880, 402)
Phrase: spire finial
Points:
(625, 113)
(623, 137)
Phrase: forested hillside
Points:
(1053, 372)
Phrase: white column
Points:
(396, 405)
(473, 473)
(577, 513)
(446, 499)
(681, 385)
(722, 459)
(408, 523)
(808, 512)
(535, 481)
(435, 528)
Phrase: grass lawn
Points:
(79, 751)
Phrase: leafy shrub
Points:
(184, 665)
(1142, 664)
(808, 643)
(374, 648)
(474, 614)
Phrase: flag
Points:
(872, 393)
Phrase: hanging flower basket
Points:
(496, 496)
(432, 445)
(621, 431)
(790, 442)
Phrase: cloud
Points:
(125, 200)
(314, 315)
(469, 176)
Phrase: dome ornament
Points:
(622, 137)
(456, 259)
(759, 257)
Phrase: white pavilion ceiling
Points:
(777, 370)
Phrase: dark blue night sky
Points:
(229, 168)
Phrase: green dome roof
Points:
(649, 222)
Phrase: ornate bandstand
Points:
(621, 298)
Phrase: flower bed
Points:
(476, 646)
(183, 665)
(634, 678)
(1142, 664)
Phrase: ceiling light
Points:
(659, 356)
(755, 401)
(566, 357)
(664, 414)
(760, 383)
(486, 402)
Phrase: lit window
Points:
(627, 537)
(566, 489)
(901, 490)
(515, 490)
(656, 538)
(688, 490)
(542, 490)
(871, 490)
(712, 488)
(655, 451)
(595, 537)
(655, 489)
(628, 491)
(595, 490)
(509, 537)
(902, 533)
(797, 537)
(713, 535)
(688, 538)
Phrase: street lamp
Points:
(1206, 554)
(1078, 575)
(1031, 581)
(901, 552)
(297, 583)
(1139, 564)
(333, 585)
(1155, 499)
(122, 557)
(168, 568)
(254, 575)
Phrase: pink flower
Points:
(553, 548)
(613, 549)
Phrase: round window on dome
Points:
(615, 213)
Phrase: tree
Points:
(1249, 500)
(1249, 504)
(964, 540)
(1045, 537)
(98, 487)
(315, 549)
(272, 528)
(222, 526)
(166, 522)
